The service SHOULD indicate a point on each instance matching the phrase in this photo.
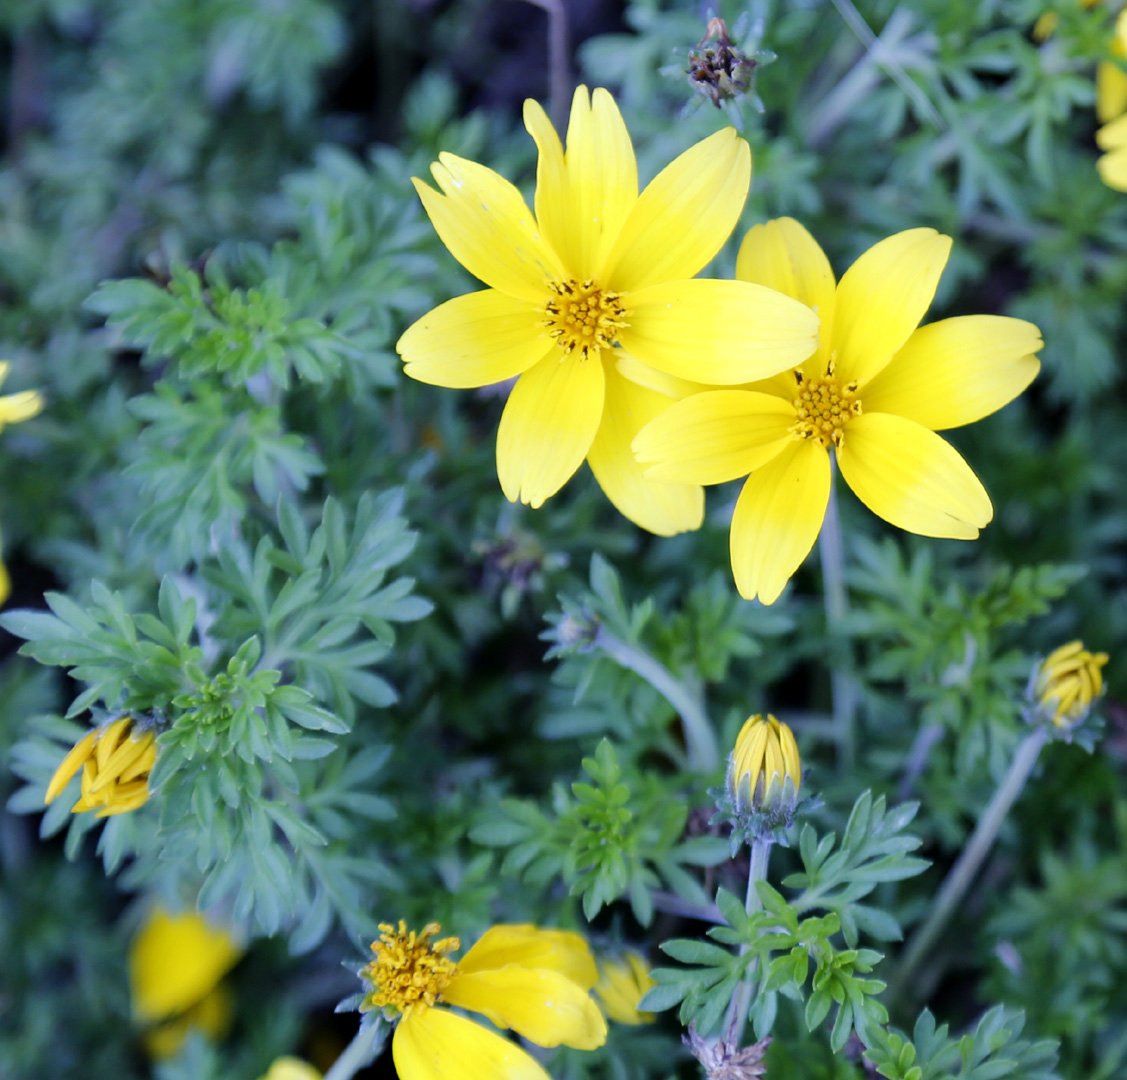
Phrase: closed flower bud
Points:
(1067, 683)
(115, 760)
(764, 759)
(623, 983)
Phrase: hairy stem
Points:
(970, 859)
(362, 1051)
(738, 1007)
(831, 549)
(703, 753)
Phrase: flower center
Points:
(823, 407)
(580, 315)
(409, 971)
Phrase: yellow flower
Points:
(534, 981)
(623, 982)
(175, 964)
(15, 408)
(764, 758)
(592, 287)
(875, 392)
(115, 760)
(1111, 79)
(1068, 682)
(291, 1068)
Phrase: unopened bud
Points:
(623, 982)
(115, 760)
(765, 758)
(1067, 683)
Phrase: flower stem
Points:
(559, 81)
(362, 1051)
(704, 754)
(741, 1000)
(970, 859)
(831, 549)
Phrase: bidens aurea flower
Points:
(1111, 103)
(874, 393)
(521, 977)
(115, 760)
(1068, 683)
(597, 285)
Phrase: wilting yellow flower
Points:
(1068, 682)
(874, 393)
(291, 1068)
(623, 982)
(17, 407)
(599, 266)
(764, 758)
(175, 964)
(534, 981)
(115, 760)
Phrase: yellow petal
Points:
(1111, 91)
(782, 255)
(291, 1068)
(488, 228)
(777, 519)
(534, 947)
(142, 766)
(715, 437)
(583, 199)
(956, 371)
(1113, 169)
(174, 961)
(75, 759)
(718, 332)
(641, 374)
(474, 340)
(912, 477)
(548, 426)
(15, 408)
(684, 215)
(1113, 136)
(123, 798)
(126, 755)
(437, 1045)
(543, 1006)
(5, 589)
(662, 508)
(108, 739)
(882, 298)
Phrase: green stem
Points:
(704, 754)
(966, 866)
(741, 1000)
(362, 1051)
(831, 549)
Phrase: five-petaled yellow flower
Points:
(1111, 108)
(874, 393)
(521, 977)
(592, 297)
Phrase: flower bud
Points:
(115, 760)
(1067, 683)
(764, 758)
(623, 982)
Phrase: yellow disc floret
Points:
(409, 971)
(824, 407)
(580, 315)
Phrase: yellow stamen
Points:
(409, 971)
(823, 407)
(580, 315)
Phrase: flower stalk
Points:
(741, 1000)
(365, 1046)
(831, 550)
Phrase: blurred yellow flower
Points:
(175, 964)
(764, 758)
(623, 982)
(17, 407)
(115, 760)
(534, 981)
(598, 283)
(875, 393)
(291, 1068)
(1068, 681)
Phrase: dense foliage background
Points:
(208, 247)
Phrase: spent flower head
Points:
(1066, 684)
(521, 977)
(874, 394)
(594, 305)
(115, 760)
